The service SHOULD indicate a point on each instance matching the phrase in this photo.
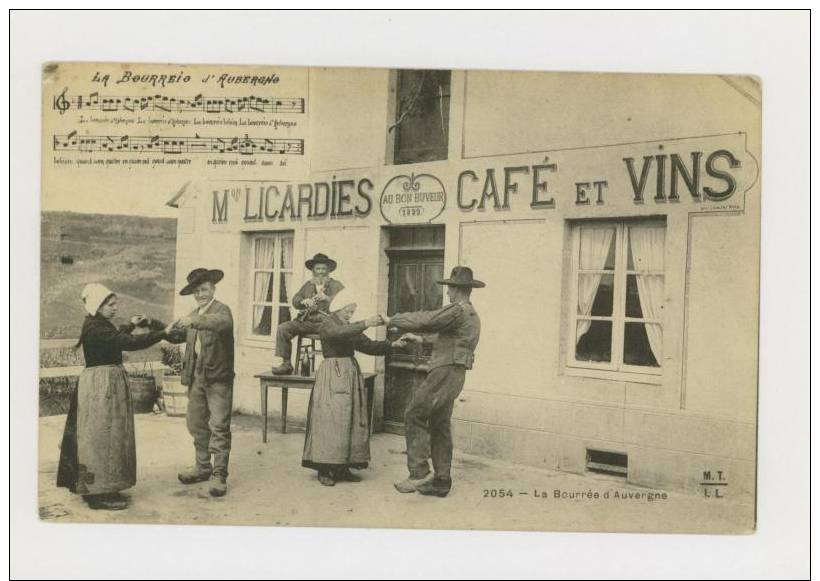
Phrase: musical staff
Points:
(196, 104)
(178, 145)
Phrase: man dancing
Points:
(427, 420)
(208, 371)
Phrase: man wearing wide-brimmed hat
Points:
(427, 419)
(208, 371)
(311, 301)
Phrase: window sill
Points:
(621, 376)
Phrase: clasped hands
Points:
(379, 320)
(140, 320)
(140, 324)
(407, 338)
(181, 323)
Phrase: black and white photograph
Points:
(407, 285)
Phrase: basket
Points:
(143, 394)
(175, 396)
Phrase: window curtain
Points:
(286, 256)
(595, 244)
(263, 258)
(647, 243)
(285, 278)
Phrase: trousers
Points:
(287, 331)
(427, 421)
(209, 422)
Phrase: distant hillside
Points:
(132, 255)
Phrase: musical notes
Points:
(197, 104)
(178, 145)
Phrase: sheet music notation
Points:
(196, 104)
(178, 145)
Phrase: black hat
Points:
(199, 275)
(321, 259)
(462, 276)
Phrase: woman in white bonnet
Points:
(98, 453)
(337, 437)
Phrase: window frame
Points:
(394, 111)
(615, 368)
(276, 236)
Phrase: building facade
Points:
(614, 218)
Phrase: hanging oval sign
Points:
(413, 199)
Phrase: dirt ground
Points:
(267, 486)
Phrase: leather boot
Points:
(285, 368)
(409, 485)
(438, 486)
(218, 486)
(106, 501)
(195, 474)
(345, 475)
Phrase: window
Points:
(422, 120)
(618, 295)
(271, 280)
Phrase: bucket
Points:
(175, 396)
(143, 394)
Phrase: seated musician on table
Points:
(312, 300)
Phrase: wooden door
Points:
(412, 287)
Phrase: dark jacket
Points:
(458, 327)
(214, 329)
(103, 343)
(332, 288)
(340, 339)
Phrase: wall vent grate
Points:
(604, 462)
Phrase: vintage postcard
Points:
(406, 298)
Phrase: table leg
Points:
(263, 392)
(284, 410)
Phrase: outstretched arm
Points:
(176, 335)
(370, 347)
(330, 329)
(121, 338)
(333, 329)
(426, 321)
(156, 325)
(220, 321)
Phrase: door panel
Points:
(432, 295)
(406, 289)
(412, 287)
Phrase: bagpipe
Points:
(304, 314)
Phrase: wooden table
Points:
(286, 382)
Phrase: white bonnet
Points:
(93, 297)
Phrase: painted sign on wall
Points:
(413, 199)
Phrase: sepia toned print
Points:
(399, 298)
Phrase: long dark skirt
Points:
(338, 426)
(98, 452)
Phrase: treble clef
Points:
(61, 103)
